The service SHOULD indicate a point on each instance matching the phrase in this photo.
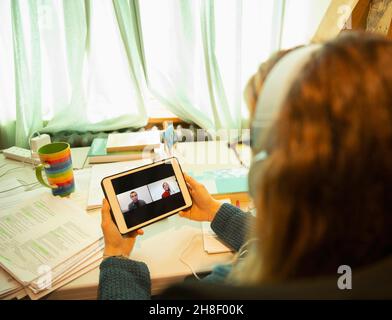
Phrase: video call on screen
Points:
(147, 194)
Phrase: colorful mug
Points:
(57, 163)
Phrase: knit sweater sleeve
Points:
(122, 279)
(232, 225)
(130, 280)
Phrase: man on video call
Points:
(135, 203)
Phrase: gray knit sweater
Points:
(130, 280)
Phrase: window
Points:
(110, 64)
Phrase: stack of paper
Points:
(46, 242)
(8, 285)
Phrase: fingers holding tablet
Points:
(191, 183)
(204, 205)
(107, 219)
(115, 243)
(105, 212)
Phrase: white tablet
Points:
(147, 194)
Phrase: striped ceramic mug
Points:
(57, 163)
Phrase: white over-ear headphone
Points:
(276, 88)
(273, 95)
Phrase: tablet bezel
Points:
(116, 212)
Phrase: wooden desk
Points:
(163, 243)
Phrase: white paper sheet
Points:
(211, 242)
(82, 184)
(12, 201)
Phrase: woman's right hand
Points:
(204, 205)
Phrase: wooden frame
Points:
(162, 121)
(360, 14)
(389, 35)
(331, 25)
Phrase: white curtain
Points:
(65, 64)
(92, 65)
(301, 19)
(7, 77)
(199, 54)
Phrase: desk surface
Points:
(166, 245)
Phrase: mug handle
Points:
(38, 174)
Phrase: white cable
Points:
(19, 167)
(22, 185)
(186, 263)
(3, 191)
(29, 185)
(31, 151)
(7, 171)
(24, 162)
(243, 250)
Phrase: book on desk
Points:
(99, 154)
(133, 141)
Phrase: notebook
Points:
(223, 181)
(131, 141)
(98, 153)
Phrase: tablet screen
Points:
(147, 194)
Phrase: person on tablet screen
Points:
(136, 203)
(167, 191)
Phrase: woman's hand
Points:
(115, 243)
(204, 205)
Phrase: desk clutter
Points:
(47, 242)
(133, 141)
(124, 146)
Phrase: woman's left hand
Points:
(115, 243)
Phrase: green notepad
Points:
(224, 180)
